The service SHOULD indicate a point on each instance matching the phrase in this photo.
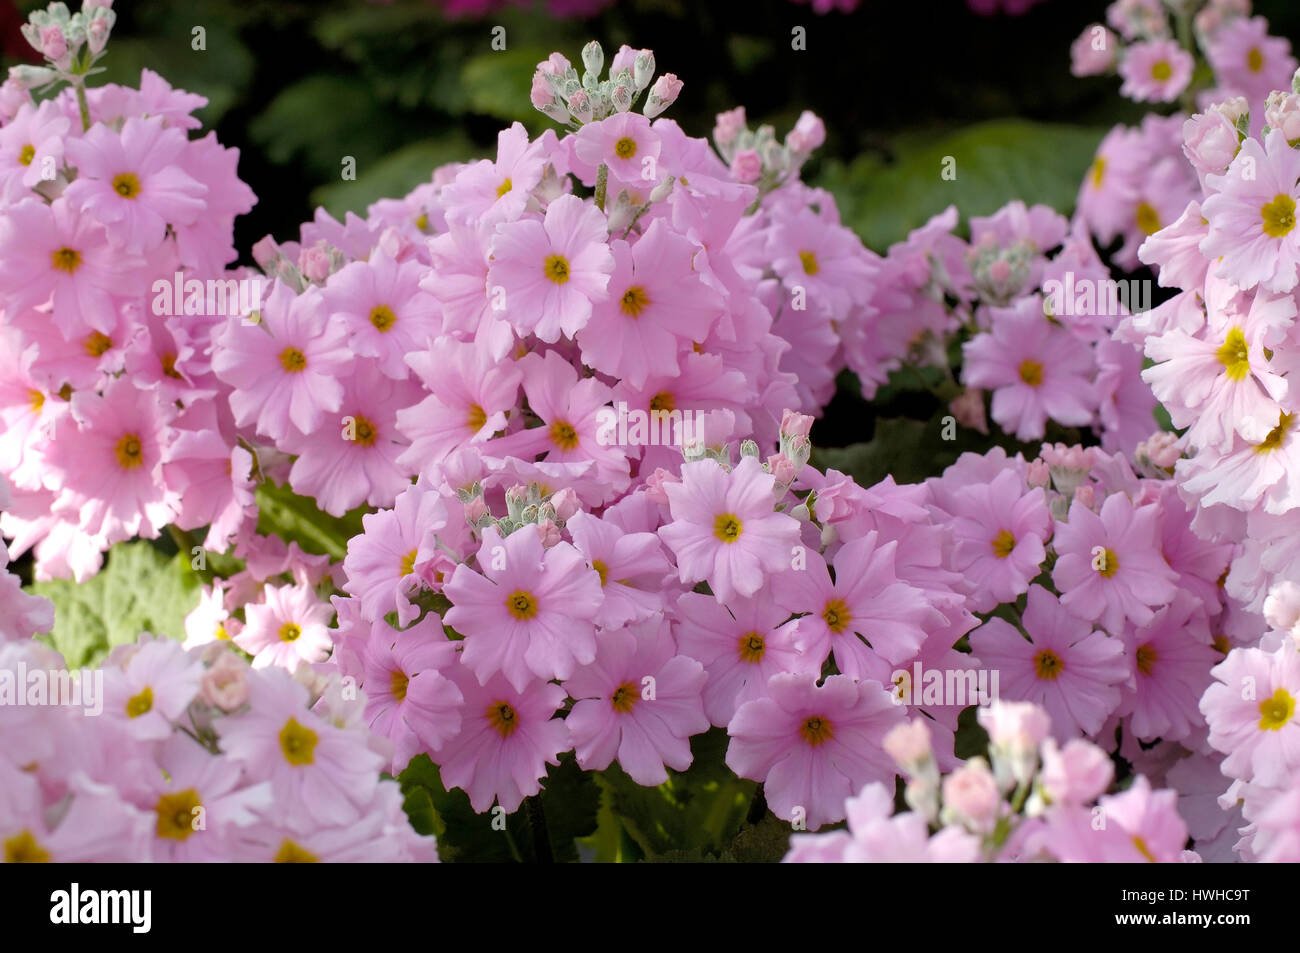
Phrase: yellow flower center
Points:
(293, 360)
(23, 849)
(290, 631)
(1048, 665)
(625, 148)
(130, 454)
(97, 343)
(505, 186)
(27, 154)
(664, 402)
(837, 615)
(1254, 60)
(809, 261)
(503, 718)
(1278, 216)
(35, 400)
(556, 268)
(176, 813)
(169, 367)
(1277, 435)
(601, 570)
(291, 853)
(1003, 544)
(522, 605)
(727, 527)
(817, 730)
(366, 434)
(563, 435)
(1142, 849)
(1031, 372)
(66, 259)
(477, 418)
(1222, 645)
(1161, 70)
(297, 743)
(1107, 564)
(752, 647)
(1148, 219)
(126, 185)
(634, 301)
(1234, 355)
(1146, 658)
(408, 562)
(1275, 712)
(624, 697)
(1098, 171)
(398, 685)
(382, 317)
(140, 704)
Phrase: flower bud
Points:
(31, 77)
(1076, 774)
(566, 503)
(593, 58)
(1282, 111)
(1282, 606)
(54, 45)
(1093, 52)
(968, 410)
(808, 133)
(548, 533)
(580, 106)
(225, 684)
(98, 30)
(908, 743)
(1015, 731)
(779, 465)
(971, 797)
(1210, 141)
(314, 262)
(728, 126)
(746, 166)
(795, 424)
(662, 95)
(643, 69)
(622, 98)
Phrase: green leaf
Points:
(393, 175)
(497, 84)
(316, 121)
(763, 843)
(995, 162)
(296, 518)
(138, 590)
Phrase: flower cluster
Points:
(1032, 801)
(165, 754)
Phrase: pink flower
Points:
(1065, 666)
(528, 613)
(998, 532)
(1036, 370)
(1249, 61)
(724, 529)
(353, 459)
(1252, 216)
(868, 617)
(152, 690)
(506, 740)
(285, 368)
(623, 142)
(1251, 713)
(1171, 660)
(499, 191)
(812, 745)
(552, 271)
(971, 797)
(656, 306)
(1141, 825)
(1076, 773)
(132, 181)
(638, 702)
(32, 143)
(1156, 71)
(385, 310)
(825, 259)
(388, 562)
(1094, 51)
(742, 645)
(1109, 566)
(288, 628)
(1210, 142)
(631, 567)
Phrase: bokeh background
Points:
(406, 85)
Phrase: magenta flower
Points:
(624, 143)
(285, 368)
(632, 568)
(998, 532)
(1035, 369)
(724, 529)
(550, 272)
(638, 702)
(288, 628)
(528, 612)
(1156, 71)
(656, 305)
(1109, 566)
(389, 561)
(812, 746)
(132, 183)
(742, 645)
(506, 740)
(386, 312)
(1170, 660)
(1065, 666)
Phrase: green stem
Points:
(82, 106)
(602, 183)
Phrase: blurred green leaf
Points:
(296, 518)
(317, 121)
(392, 176)
(498, 82)
(996, 162)
(138, 590)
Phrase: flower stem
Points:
(82, 106)
(602, 183)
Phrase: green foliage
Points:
(910, 450)
(996, 162)
(138, 590)
(393, 175)
(296, 519)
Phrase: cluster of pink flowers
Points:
(168, 754)
(1033, 800)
